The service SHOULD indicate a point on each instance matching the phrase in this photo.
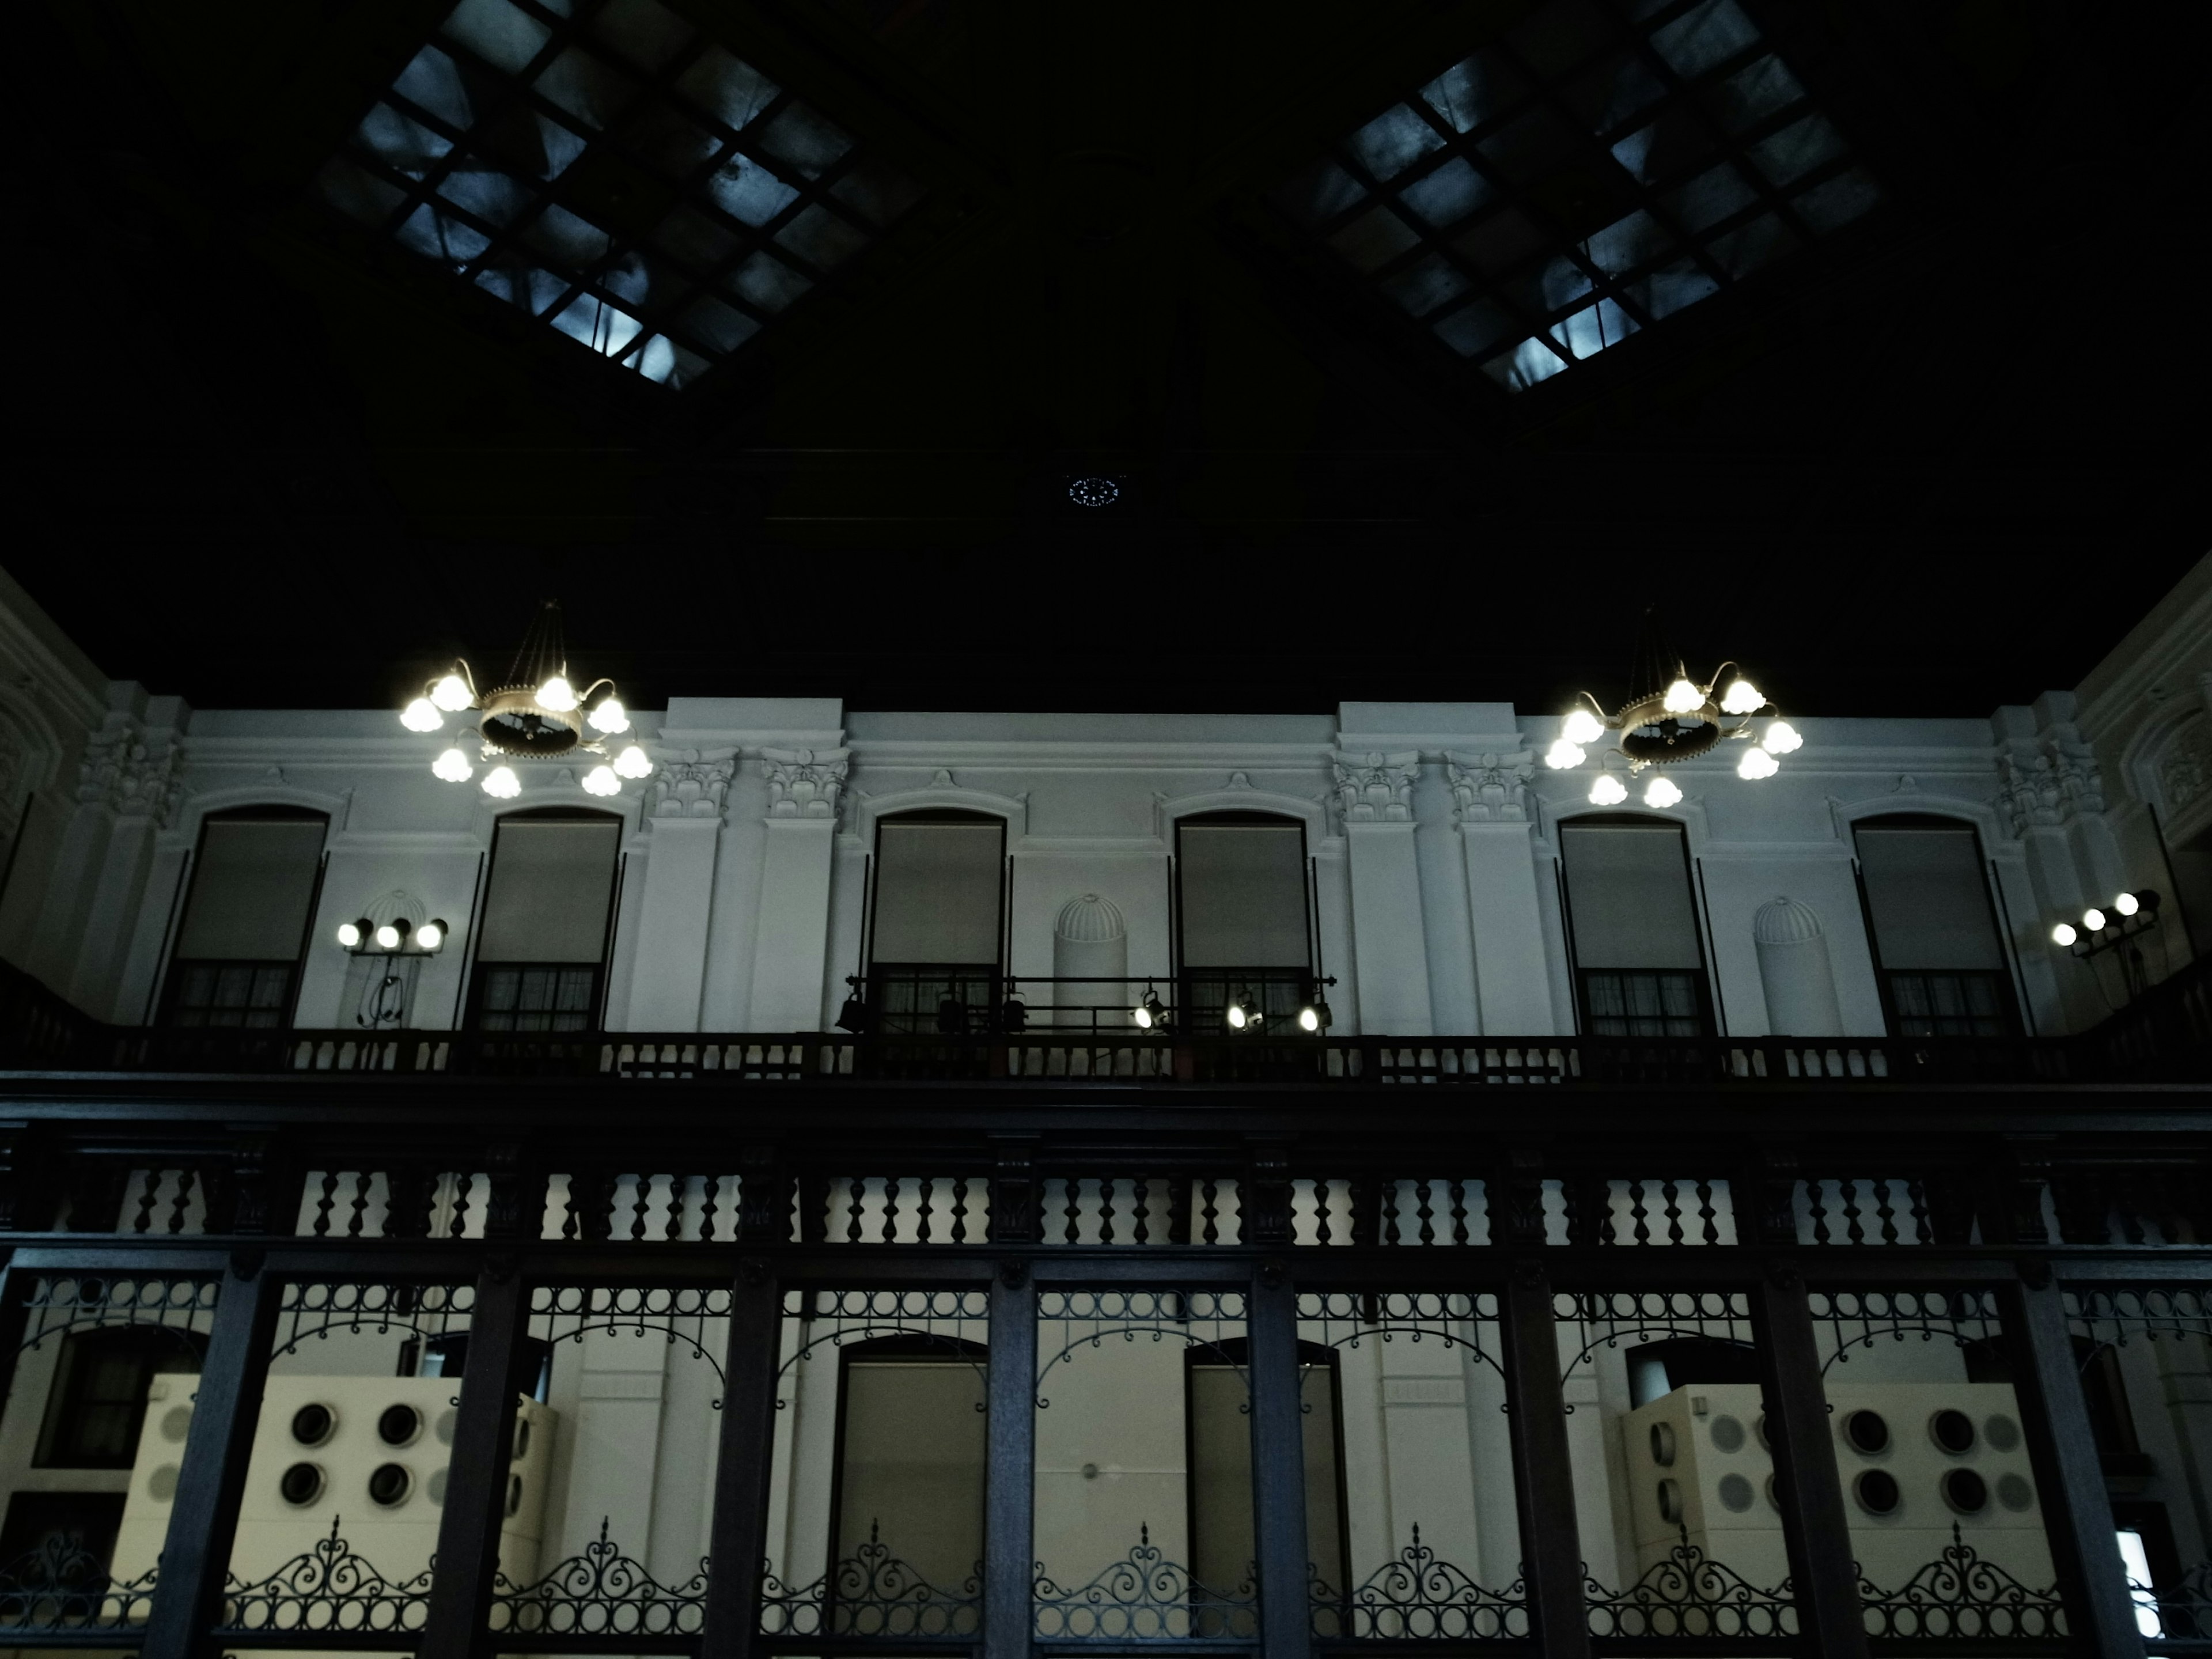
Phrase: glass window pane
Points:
(497, 31)
(805, 138)
(768, 283)
(1321, 194)
(716, 326)
(1474, 328)
(1754, 92)
(1393, 141)
(748, 192)
(1373, 239)
(1835, 203)
(1530, 362)
(1448, 195)
(822, 237)
(1476, 90)
(357, 194)
(1743, 252)
(1426, 284)
(1797, 148)
(586, 85)
(726, 87)
(643, 31)
(433, 81)
(1704, 36)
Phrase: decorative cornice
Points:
(131, 771)
(1491, 788)
(688, 785)
(805, 783)
(1377, 788)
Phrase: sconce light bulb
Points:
(632, 763)
(1582, 727)
(1756, 763)
(500, 783)
(602, 780)
(1563, 754)
(1783, 739)
(608, 716)
(1743, 698)
(557, 695)
(422, 715)
(1662, 792)
(1683, 698)
(451, 693)
(1607, 790)
(453, 766)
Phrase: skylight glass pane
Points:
(433, 82)
(1321, 194)
(728, 88)
(1710, 197)
(1373, 239)
(1663, 292)
(1502, 240)
(1754, 92)
(1476, 91)
(1423, 286)
(748, 192)
(1797, 150)
(806, 139)
(1627, 245)
(1561, 34)
(1473, 330)
(766, 283)
(1393, 141)
(1537, 143)
(1743, 252)
(1705, 35)
(357, 194)
(605, 328)
(586, 85)
(1448, 195)
(1837, 202)
(1530, 362)
(1617, 91)
(822, 238)
(441, 237)
(605, 219)
(1592, 329)
(497, 31)
(644, 31)
(402, 143)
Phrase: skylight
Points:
(1601, 168)
(601, 165)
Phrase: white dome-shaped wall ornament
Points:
(1090, 919)
(1795, 971)
(1090, 943)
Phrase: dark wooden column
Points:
(1807, 1483)
(1009, 1472)
(2069, 1475)
(745, 1464)
(1279, 1466)
(1543, 1475)
(15, 1288)
(475, 1479)
(195, 1556)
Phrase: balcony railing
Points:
(2166, 1035)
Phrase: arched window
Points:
(254, 878)
(1241, 918)
(1936, 949)
(548, 920)
(1633, 927)
(1222, 1543)
(910, 1455)
(937, 920)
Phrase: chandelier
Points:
(537, 715)
(1682, 721)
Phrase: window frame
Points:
(2009, 1002)
(168, 991)
(1281, 987)
(1701, 977)
(481, 966)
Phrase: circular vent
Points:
(1953, 1430)
(1876, 1491)
(301, 1485)
(313, 1425)
(389, 1484)
(398, 1425)
(1867, 1432)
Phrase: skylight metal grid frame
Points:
(617, 173)
(1508, 208)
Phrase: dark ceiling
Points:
(1938, 461)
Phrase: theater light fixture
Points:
(395, 936)
(1315, 1016)
(1241, 1014)
(539, 714)
(1151, 1014)
(2102, 926)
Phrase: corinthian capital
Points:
(1377, 788)
(132, 772)
(689, 786)
(805, 783)
(1491, 788)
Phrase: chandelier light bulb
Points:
(2063, 934)
(602, 780)
(451, 693)
(557, 695)
(609, 716)
(632, 763)
(2126, 904)
(453, 767)
(1756, 763)
(1563, 754)
(1581, 727)
(1683, 698)
(1607, 790)
(349, 934)
(1743, 698)
(500, 783)
(1662, 792)
(2093, 920)
(422, 715)
(1781, 738)
(430, 935)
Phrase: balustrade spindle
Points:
(1208, 1211)
(1712, 1232)
(1106, 1186)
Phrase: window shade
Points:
(551, 882)
(1628, 890)
(1924, 886)
(250, 891)
(936, 892)
(912, 1475)
(1243, 888)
